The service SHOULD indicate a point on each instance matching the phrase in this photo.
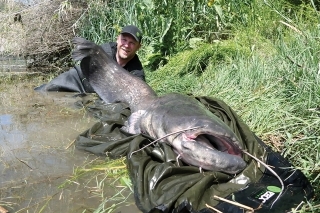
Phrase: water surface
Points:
(37, 156)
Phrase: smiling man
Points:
(128, 43)
(123, 51)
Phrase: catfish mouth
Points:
(213, 152)
(218, 142)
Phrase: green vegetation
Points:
(167, 26)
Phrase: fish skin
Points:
(209, 144)
(174, 112)
(113, 83)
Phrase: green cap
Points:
(134, 31)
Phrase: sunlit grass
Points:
(111, 168)
(100, 175)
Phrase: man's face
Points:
(127, 46)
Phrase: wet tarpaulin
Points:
(161, 184)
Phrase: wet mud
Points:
(37, 156)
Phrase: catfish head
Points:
(209, 143)
(209, 150)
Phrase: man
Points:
(123, 52)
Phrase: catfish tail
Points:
(108, 79)
(83, 48)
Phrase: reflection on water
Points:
(36, 153)
(5, 120)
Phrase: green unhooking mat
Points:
(161, 184)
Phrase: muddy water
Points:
(37, 156)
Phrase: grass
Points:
(99, 176)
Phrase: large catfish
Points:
(209, 143)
